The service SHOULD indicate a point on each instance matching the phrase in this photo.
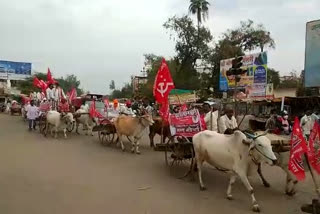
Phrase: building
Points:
(11, 73)
(137, 81)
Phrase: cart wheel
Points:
(100, 136)
(179, 156)
(70, 127)
(108, 138)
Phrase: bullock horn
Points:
(263, 134)
(250, 136)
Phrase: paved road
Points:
(43, 175)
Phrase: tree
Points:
(201, 9)
(190, 46)
(250, 36)
(69, 82)
(112, 85)
(273, 77)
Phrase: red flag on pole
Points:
(50, 79)
(36, 82)
(164, 111)
(298, 148)
(163, 83)
(93, 112)
(314, 147)
(72, 94)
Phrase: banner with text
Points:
(256, 64)
(186, 123)
(14, 70)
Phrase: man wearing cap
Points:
(228, 123)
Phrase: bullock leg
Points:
(56, 132)
(77, 128)
(199, 165)
(65, 133)
(151, 137)
(137, 145)
(245, 181)
(133, 143)
(91, 133)
(87, 126)
(291, 184)
(231, 182)
(121, 143)
(264, 181)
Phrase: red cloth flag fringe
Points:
(297, 150)
(93, 111)
(314, 148)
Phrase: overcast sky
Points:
(101, 40)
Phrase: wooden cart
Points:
(106, 131)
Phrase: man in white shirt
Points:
(32, 114)
(228, 123)
(50, 94)
(211, 117)
(307, 124)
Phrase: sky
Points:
(104, 40)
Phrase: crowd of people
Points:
(280, 124)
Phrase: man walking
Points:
(32, 114)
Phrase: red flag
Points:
(44, 86)
(72, 94)
(50, 79)
(36, 82)
(164, 111)
(93, 112)
(298, 148)
(163, 83)
(314, 147)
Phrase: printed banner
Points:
(312, 54)
(186, 123)
(256, 64)
(14, 70)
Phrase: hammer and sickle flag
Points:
(297, 150)
(163, 83)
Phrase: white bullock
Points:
(235, 153)
(82, 117)
(59, 121)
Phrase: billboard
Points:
(14, 70)
(256, 64)
(312, 54)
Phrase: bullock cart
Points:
(106, 131)
(280, 143)
(179, 153)
(42, 119)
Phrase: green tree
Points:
(250, 36)
(190, 46)
(200, 8)
(273, 77)
(112, 85)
